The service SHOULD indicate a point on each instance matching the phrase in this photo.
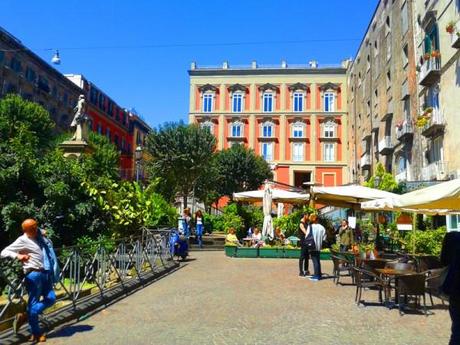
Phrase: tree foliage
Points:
(386, 180)
(180, 154)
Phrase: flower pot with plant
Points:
(435, 54)
(426, 56)
(450, 27)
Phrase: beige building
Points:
(293, 116)
(437, 39)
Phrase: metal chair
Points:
(339, 268)
(399, 265)
(434, 280)
(411, 285)
(365, 279)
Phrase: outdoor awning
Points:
(347, 196)
(442, 198)
(278, 195)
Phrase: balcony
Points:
(456, 39)
(435, 171)
(366, 161)
(385, 146)
(402, 176)
(436, 123)
(405, 131)
(431, 71)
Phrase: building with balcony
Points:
(293, 116)
(25, 73)
(437, 24)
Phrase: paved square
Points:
(218, 300)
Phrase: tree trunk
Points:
(185, 197)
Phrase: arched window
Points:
(237, 102)
(268, 129)
(329, 129)
(207, 125)
(236, 129)
(268, 99)
(298, 129)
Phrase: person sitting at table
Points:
(279, 236)
(257, 236)
(231, 238)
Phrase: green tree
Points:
(240, 170)
(386, 180)
(180, 154)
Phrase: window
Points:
(267, 130)
(453, 222)
(297, 152)
(99, 129)
(207, 126)
(376, 48)
(431, 41)
(436, 153)
(236, 129)
(433, 96)
(406, 108)
(401, 164)
(329, 129)
(15, 65)
(207, 102)
(123, 144)
(107, 133)
(268, 102)
(30, 74)
(329, 155)
(405, 56)
(298, 101)
(329, 100)
(93, 95)
(267, 151)
(138, 139)
(237, 103)
(388, 79)
(388, 47)
(297, 130)
(116, 140)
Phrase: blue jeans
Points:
(454, 310)
(199, 234)
(315, 258)
(38, 284)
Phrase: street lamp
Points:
(138, 157)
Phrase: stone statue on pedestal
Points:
(80, 121)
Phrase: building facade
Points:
(109, 119)
(23, 72)
(138, 130)
(294, 117)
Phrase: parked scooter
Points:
(178, 244)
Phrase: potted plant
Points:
(426, 56)
(421, 122)
(247, 252)
(269, 251)
(230, 250)
(435, 54)
(450, 28)
(291, 252)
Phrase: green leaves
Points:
(386, 180)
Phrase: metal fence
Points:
(96, 270)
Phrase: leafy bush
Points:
(428, 242)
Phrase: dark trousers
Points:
(303, 260)
(316, 264)
(454, 310)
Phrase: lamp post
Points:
(138, 157)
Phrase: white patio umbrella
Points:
(267, 229)
(280, 209)
(278, 195)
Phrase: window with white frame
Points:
(237, 102)
(208, 100)
(329, 101)
(298, 130)
(268, 102)
(298, 98)
(208, 125)
(267, 130)
(453, 222)
(436, 151)
(329, 129)
(267, 151)
(297, 152)
(236, 129)
(329, 152)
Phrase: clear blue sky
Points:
(154, 80)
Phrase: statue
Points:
(80, 121)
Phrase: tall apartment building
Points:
(404, 92)
(24, 73)
(438, 58)
(294, 117)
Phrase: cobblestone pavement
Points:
(218, 300)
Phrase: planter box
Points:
(292, 253)
(230, 251)
(325, 256)
(243, 252)
(271, 253)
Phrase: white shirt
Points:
(25, 245)
(319, 235)
(199, 221)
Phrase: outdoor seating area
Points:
(399, 282)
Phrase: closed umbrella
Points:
(267, 229)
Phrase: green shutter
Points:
(427, 44)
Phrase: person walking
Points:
(318, 233)
(345, 236)
(303, 259)
(450, 257)
(186, 222)
(199, 228)
(41, 269)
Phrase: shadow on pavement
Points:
(71, 330)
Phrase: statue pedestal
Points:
(74, 148)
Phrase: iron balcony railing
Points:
(385, 146)
(430, 71)
(405, 131)
(92, 271)
(365, 160)
(435, 171)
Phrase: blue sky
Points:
(139, 52)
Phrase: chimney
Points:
(313, 64)
(283, 64)
(193, 65)
(346, 63)
(225, 65)
(254, 64)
